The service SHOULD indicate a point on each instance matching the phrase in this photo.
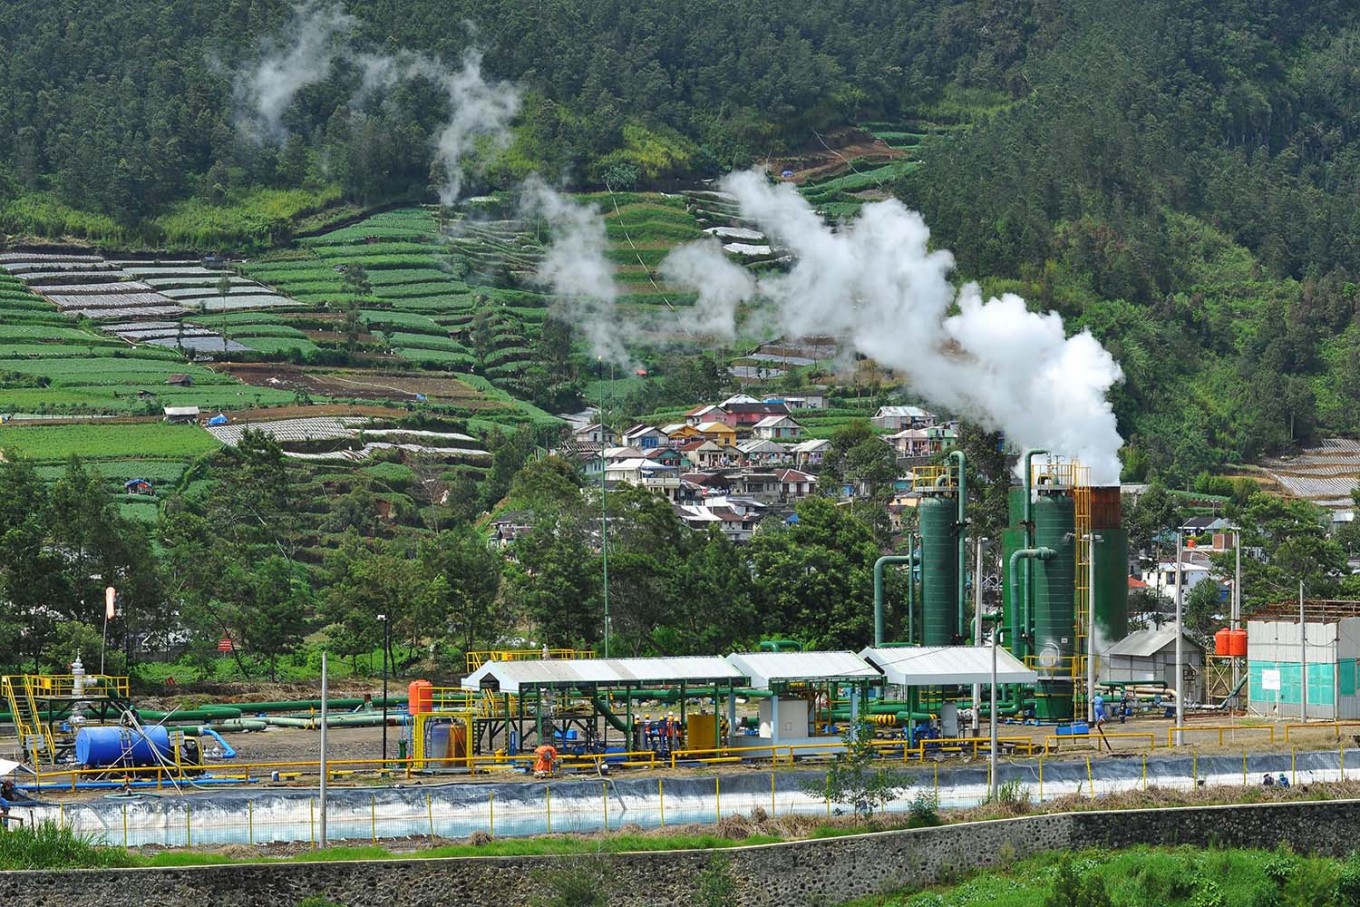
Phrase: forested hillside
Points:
(121, 109)
(1179, 176)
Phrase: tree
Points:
(854, 781)
(1073, 890)
(557, 581)
(814, 579)
(464, 600)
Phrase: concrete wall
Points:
(803, 874)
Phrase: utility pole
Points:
(991, 750)
(1180, 639)
(604, 520)
(321, 839)
(1303, 658)
(1236, 622)
(386, 646)
(977, 629)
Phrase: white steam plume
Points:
(722, 286)
(577, 269)
(314, 36)
(480, 110)
(877, 285)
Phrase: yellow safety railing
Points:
(63, 686)
(1232, 730)
(1334, 726)
(1053, 743)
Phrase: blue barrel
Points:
(104, 746)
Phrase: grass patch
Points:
(94, 441)
(47, 846)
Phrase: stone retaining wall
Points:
(800, 874)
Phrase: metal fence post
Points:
(429, 812)
(717, 799)
(250, 822)
(491, 812)
(661, 796)
(547, 791)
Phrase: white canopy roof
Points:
(918, 666)
(511, 676)
(765, 668)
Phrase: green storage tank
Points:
(940, 571)
(1112, 585)
(1054, 605)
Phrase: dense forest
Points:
(1178, 176)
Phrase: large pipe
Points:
(878, 590)
(911, 590)
(1027, 554)
(963, 536)
(1026, 631)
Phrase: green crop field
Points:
(96, 441)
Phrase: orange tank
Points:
(420, 697)
(1221, 642)
(1237, 643)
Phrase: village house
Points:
(897, 418)
(810, 452)
(759, 452)
(720, 432)
(594, 434)
(777, 428)
(795, 485)
(910, 442)
(747, 415)
(680, 432)
(711, 455)
(707, 413)
(644, 437)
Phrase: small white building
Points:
(181, 414)
(1275, 661)
(1150, 655)
(777, 428)
(897, 418)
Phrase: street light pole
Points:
(977, 629)
(1180, 637)
(1303, 658)
(386, 645)
(991, 750)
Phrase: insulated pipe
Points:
(911, 589)
(962, 462)
(1041, 554)
(1028, 521)
(878, 590)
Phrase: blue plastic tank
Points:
(103, 746)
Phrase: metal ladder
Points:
(35, 737)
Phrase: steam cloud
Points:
(576, 267)
(318, 34)
(878, 286)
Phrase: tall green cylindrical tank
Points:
(1112, 586)
(939, 563)
(1054, 605)
(1111, 565)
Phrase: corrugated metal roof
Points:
(566, 672)
(915, 666)
(766, 667)
(1146, 643)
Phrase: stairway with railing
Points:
(35, 736)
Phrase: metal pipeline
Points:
(963, 536)
(911, 589)
(1027, 554)
(1023, 631)
(878, 590)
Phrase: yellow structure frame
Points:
(23, 691)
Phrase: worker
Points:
(1098, 707)
(1284, 781)
(545, 758)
